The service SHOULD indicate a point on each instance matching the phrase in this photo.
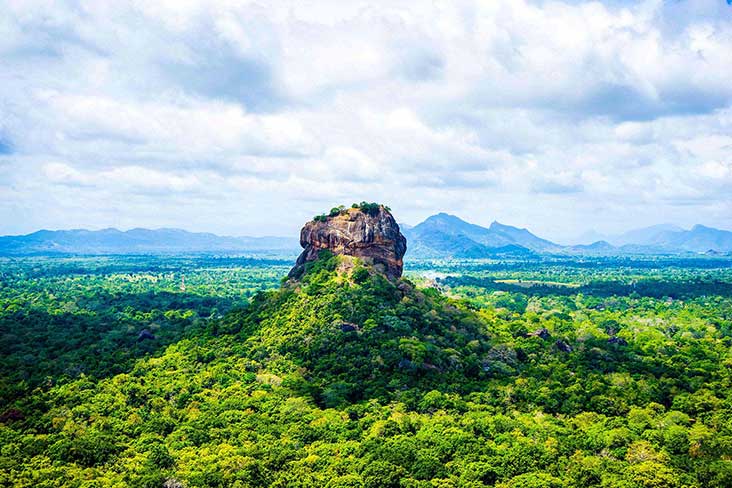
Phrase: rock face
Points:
(373, 236)
(145, 334)
(563, 346)
(542, 333)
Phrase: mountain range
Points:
(444, 235)
(698, 239)
(642, 236)
(439, 236)
(662, 238)
(139, 241)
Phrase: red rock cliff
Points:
(371, 236)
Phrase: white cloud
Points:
(194, 128)
(542, 114)
(133, 179)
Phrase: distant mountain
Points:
(589, 237)
(138, 241)
(439, 236)
(445, 235)
(524, 238)
(599, 247)
(699, 239)
(670, 238)
(646, 236)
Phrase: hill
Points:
(598, 247)
(449, 236)
(137, 241)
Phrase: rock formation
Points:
(145, 334)
(542, 333)
(369, 233)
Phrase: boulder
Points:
(541, 333)
(563, 346)
(11, 415)
(618, 341)
(349, 327)
(145, 334)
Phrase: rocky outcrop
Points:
(542, 333)
(145, 334)
(370, 234)
(563, 346)
(619, 341)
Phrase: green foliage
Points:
(335, 211)
(345, 379)
(370, 208)
(534, 480)
(65, 318)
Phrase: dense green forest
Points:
(213, 372)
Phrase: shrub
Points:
(382, 474)
(369, 208)
(335, 211)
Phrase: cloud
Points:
(565, 182)
(132, 179)
(5, 147)
(195, 129)
(208, 114)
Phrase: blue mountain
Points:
(138, 241)
(445, 235)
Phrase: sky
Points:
(248, 118)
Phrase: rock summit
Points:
(366, 231)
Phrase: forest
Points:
(213, 371)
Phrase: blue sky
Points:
(247, 118)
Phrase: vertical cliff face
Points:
(371, 235)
